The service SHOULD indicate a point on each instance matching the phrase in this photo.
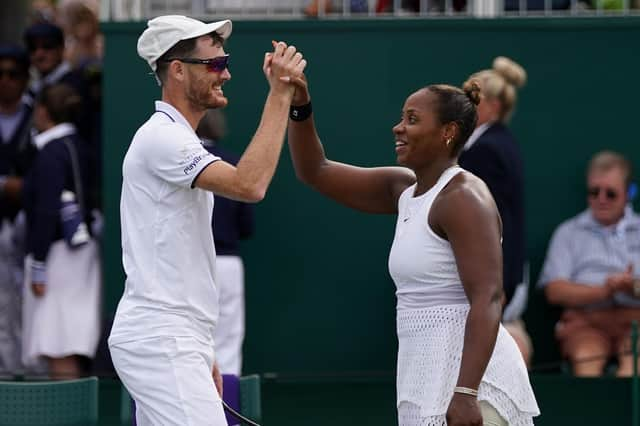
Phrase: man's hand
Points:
(621, 281)
(217, 378)
(38, 289)
(283, 64)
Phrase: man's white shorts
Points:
(170, 380)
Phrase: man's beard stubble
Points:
(199, 95)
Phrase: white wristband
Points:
(465, 391)
(38, 272)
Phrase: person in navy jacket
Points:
(16, 155)
(493, 154)
(16, 150)
(46, 45)
(61, 274)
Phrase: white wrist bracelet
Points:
(466, 391)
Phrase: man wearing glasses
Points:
(45, 42)
(161, 342)
(46, 45)
(592, 269)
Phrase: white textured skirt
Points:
(66, 320)
(429, 356)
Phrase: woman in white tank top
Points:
(456, 364)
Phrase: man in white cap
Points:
(161, 341)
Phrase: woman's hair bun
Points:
(471, 88)
(510, 70)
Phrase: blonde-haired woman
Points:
(493, 154)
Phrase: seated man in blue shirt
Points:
(592, 269)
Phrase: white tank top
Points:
(431, 319)
(421, 263)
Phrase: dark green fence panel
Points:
(319, 297)
(563, 400)
(370, 400)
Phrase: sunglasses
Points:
(12, 73)
(217, 64)
(594, 192)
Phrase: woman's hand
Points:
(301, 96)
(464, 411)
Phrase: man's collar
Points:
(172, 112)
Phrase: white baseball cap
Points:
(164, 32)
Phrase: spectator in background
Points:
(45, 42)
(314, 7)
(84, 43)
(513, 5)
(232, 221)
(43, 11)
(414, 6)
(16, 155)
(61, 312)
(493, 154)
(46, 45)
(84, 49)
(16, 150)
(592, 270)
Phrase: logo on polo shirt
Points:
(194, 162)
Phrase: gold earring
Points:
(449, 141)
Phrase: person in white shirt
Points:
(161, 342)
(456, 364)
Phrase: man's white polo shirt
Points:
(167, 242)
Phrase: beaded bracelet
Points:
(466, 391)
